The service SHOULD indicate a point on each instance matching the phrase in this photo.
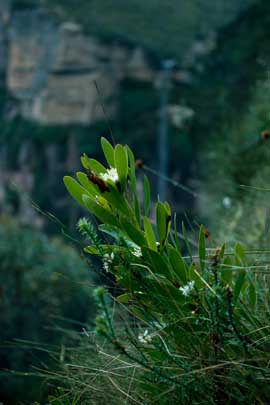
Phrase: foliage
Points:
(238, 175)
(240, 58)
(194, 326)
(45, 288)
(133, 21)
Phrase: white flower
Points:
(111, 174)
(145, 337)
(106, 267)
(187, 289)
(136, 251)
(107, 260)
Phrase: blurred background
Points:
(184, 83)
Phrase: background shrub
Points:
(45, 289)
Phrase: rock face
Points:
(54, 70)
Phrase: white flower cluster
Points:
(136, 251)
(111, 174)
(145, 337)
(187, 289)
(107, 261)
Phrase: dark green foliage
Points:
(225, 86)
(45, 286)
(168, 28)
(238, 172)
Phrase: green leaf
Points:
(252, 295)
(75, 189)
(156, 262)
(196, 276)
(121, 163)
(222, 252)
(132, 174)
(134, 234)
(202, 254)
(175, 236)
(108, 151)
(92, 189)
(226, 271)
(119, 202)
(92, 164)
(147, 195)
(169, 296)
(163, 221)
(85, 161)
(239, 284)
(150, 235)
(116, 233)
(178, 264)
(240, 255)
(137, 209)
(124, 298)
(96, 167)
(141, 314)
(103, 214)
(91, 250)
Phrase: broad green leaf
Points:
(121, 163)
(202, 254)
(85, 161)
(90, 187)
(75, 189)
(156, 261)
(150, 235)
(91, 250)
(134, 233)
(168, 296)
(92, 164)
(119, 202)
(240, 255)
(163, 221)
(167, 208)
(146, 195)
(103, 214)
(108, 151)
(96, 166)
(178, 264)
(124, 298)
(116, 233)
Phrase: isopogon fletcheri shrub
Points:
(196, 322)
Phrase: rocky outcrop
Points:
(54, 70)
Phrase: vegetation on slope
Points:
(167, 28)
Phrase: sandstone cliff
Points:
(52, 68)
